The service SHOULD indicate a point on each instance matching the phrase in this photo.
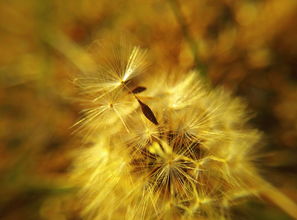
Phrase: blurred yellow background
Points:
(246, 46)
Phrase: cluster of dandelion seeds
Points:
(159, 145)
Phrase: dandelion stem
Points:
(269, 192)
(176, 8)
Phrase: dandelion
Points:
(173, 150)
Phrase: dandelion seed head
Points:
(191, 164)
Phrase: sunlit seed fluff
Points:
(117, 64)
(193, 162)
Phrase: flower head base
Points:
(176, 150)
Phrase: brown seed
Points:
(138, 89)
(148, 112)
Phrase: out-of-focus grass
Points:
(247, 46)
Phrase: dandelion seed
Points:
(148, 112)
(117, 65)
(138, 89)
